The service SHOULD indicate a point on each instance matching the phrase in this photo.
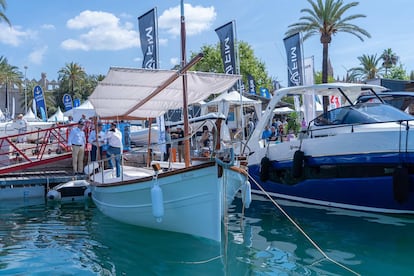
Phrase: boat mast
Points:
(185, 97)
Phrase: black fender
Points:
(298, 164)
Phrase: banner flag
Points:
(294, 59)
(148, 37)
(228, 55)
(67, 102)
(76, 102)
(40, 102)
(264, 92)
(252, 84)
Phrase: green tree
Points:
(318, 78)
(249, 64)
(9, 76)
(72, 81)
(370, 67)
(3, 17)
(326, 18)
(390, 59)
(398, 73)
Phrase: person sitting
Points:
(273, 134)
(205, 137)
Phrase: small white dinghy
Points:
(74, 190)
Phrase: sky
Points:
(97, 34)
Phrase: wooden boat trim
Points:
(149, 178)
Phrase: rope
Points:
(301, 230)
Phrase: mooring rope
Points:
(301, 230)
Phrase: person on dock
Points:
(21, 128)
(167, 143)
(205, 138)
(179, 135)
(114, 138)
(77, 141)
(97, 139)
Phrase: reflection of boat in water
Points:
(358, 156)
(353, 238)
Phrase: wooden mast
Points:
(185, 97)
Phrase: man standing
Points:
(77, 141)
(114, 138)
(97, 139)
(21, 128)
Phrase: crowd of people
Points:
(278, 131)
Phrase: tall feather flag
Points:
(293, 47)
(228, 54)
(148, 34)
(148, 37)
(40, 101)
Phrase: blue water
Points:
(38, 238)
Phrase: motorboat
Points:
(73, 190)
(139, 135)
(359, 156)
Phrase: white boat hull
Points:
(192, 202)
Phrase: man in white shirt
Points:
(114, 138)
(77, 141)
(97, 139)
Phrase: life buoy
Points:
(401, 184)
(298, 162)
(265, 168)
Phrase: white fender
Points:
(157, 202)
(53, 195)
(247, 194)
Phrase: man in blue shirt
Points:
(77, 141)
(266, 133)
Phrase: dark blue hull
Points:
(382, 185)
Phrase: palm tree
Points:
(370, 67)
(70, 76)
(9, 76)
(3, 7)
(390, 59)
(326, 18)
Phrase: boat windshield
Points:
(362, 114)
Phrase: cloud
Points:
(198, 19)
(36, 56)
(13, 36)
(174, 61)
(48, 27)
(103, 31)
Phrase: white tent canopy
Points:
(85, 108)
(283, 110)
(125, 92)
(225, 100)
(30, 117)
(58, 117)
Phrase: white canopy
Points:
(30, 117)
(58, 117)
(85, 108)
(283, 110)
(225, 100)
(141, 93)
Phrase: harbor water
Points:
(43, 238)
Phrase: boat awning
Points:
(124, 93)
